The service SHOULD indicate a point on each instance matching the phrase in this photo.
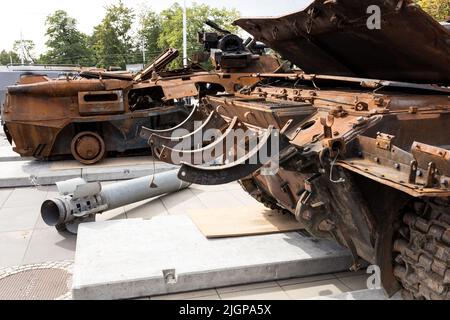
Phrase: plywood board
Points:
(243, 221)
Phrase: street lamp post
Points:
(184, 35)
(143, 51)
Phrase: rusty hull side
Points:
(359, 117)
(43, 116)
(363, 161)
(355, 159)
(35, 114)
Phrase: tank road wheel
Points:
(88, 147)
(422, 250)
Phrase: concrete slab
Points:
(130, 258)
(16, 174)
(367, 294)
(32, 172)
(7, 154)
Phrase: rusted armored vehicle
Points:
(357, 146)
(98, 112)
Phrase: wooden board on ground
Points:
(244, 221)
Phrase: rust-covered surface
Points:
(363, 153)
(332, 37)
(99, 113)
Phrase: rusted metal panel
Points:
(332, 38)
(179, 90)
(101, 102)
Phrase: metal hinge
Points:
(384, 141)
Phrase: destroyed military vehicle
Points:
(98, 112)
(363, 146)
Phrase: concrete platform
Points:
(168, 254)
(7, 154)
(25, 173)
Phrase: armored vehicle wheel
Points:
(88, 147)
(422, 246)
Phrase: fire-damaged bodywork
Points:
(333, 38)
(364, 145)
(101, 112)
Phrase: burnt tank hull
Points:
(363, 150)
(367, 169)
(375, 180)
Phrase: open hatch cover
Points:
(332, 37)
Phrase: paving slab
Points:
(25, 173)
(356, 283)
(18, 218)
(268, 293)
(180, 202)
(49, 245)
(4, 195)
(146, 209)
(12, 247)
(26, 197)
(307, 290)
(135, 258)
(367, 294)
(200, 295)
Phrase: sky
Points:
(28, 16)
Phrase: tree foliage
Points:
(117, 40)
(7, 57)
(438, 9)
(67, 45)
(112, 40)
(149, 32)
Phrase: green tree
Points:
(112, 39)
(25, 50)
(438, 9)
(67, 45)
(6, 57)
(172, 25)
(149, 32)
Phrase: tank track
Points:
(422, 246)
(250, 186)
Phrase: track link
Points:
(422, 246)
(251, 187)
